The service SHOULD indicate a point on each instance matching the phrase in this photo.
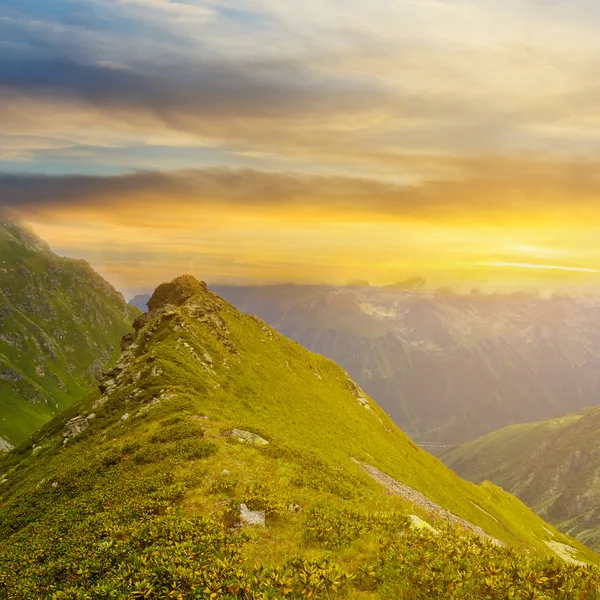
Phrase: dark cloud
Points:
(488, 187)
(294, 103)
(179, 92)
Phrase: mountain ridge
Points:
(447, 368)
(60, 326)
(552, 465)
(210, 413)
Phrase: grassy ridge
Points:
(141, 502)
(552, 465)
(447, 367)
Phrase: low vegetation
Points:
(60, 326)
(145, 503)
(552, 465)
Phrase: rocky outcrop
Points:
(5, 446)
(76, 426)
(175, 292)
(248, 437)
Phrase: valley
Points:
(211, 418)
(447, 368)
(552, 465)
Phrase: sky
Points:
(263, 141)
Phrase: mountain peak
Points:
(176, 292)
(16, 231)
(211, 421)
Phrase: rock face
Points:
(5, 446)
(175, 292)
(60, 326)
(74, 427)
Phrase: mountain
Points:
(411, 283)
(60, 326)
(552, 465)
(140, 301)
(219, 459)
(448, 368)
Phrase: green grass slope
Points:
(60, 325)
(135, 491)
(448, 368)
(552, 465)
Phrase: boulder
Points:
(74, 427)
(248, 438)
(252, 517)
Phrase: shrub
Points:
(191, 449)
(179, 430)
(223, 486)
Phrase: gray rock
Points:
(420, 525)
(252, 517)
(364, 402)
(249, 438)
(5, 445)
(8, 373)
(76, 426)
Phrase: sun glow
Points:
(515, 265)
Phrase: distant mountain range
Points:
(219, 459)
(140, 301)
(447, 368)
(60, 326)
(552, 465)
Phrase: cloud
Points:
(321, 87)
(184, 11)
(490, 188)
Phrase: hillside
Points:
(211, 419)
(60, 326)
(552, 465)
(447, 368)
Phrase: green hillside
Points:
(136, 490)
(60, 326)
(552, 465)
(447, 367)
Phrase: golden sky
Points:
(257, 141)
